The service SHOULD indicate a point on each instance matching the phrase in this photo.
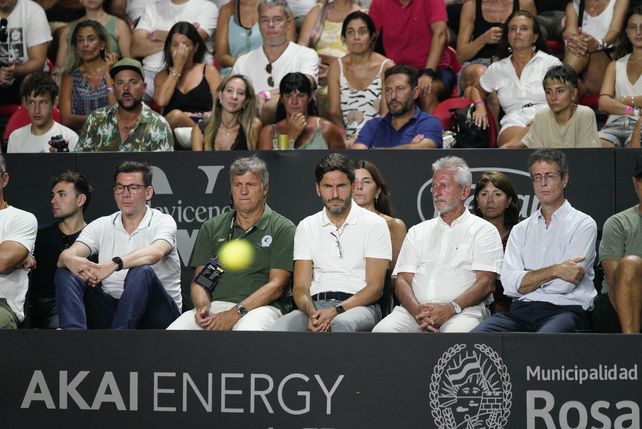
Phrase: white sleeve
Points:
(513, 270)
(145, 22)
(309, 63)
(37, 30)
(24, 228)
(302, 240)
(164, 229)
(488, 80)
(487, 251)
(207, 18)
(378, 243)
(90, 235)
(407, 262)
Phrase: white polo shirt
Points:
(339, 256)
(107, 237)
(443, 257)
(19, 226)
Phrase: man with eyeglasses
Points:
(129, 125)
(266, 66)
(548, 265)
(136, 282)
(26, 51)
(70, 197)
(619, 307)
(17, 236)
(447, 265)
(340, 258)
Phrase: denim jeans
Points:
(144, 303)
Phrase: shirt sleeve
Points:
(431, 129)
(378, 243)
(24, 228)
(90, 235)
(488, 252)
(581, 244)
(367, 133)
(589, 136)
(513, 270)
(162, 135)
(38, 31)
(612, 245)
(164, 229)
(84, 141)
(204, 248)
(407, 261)
(207, 18)
(302, 249)
(309, 64)
(436, 12)
(488, 80)
(283, 248)
(375, 14)
(145, 21)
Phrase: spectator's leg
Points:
(187, 320)
(259, 319)
(144, 303)
(399, 320)
(80, 305)
(626, 294)
(511, 136)
(564, 321)
(356, 319)
(8, 319)
(295, 321)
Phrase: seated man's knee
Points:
(139, 276)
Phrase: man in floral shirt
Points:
(130, 125)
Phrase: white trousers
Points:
(400, 320)
(258, 319)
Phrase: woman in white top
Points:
(587, 38)
(621, 93)
(516, 78)
(355, 81)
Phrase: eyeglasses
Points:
(132, 189)
(268, 69)
(548, 177)
(275, 20)
(3, 29)
(336, 239)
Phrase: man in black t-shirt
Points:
(70, 196)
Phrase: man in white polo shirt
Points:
(136, 282)
(340, 258)
(447, 265)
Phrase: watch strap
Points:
(118, 261)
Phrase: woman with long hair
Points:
(355, 81)
(233, 124)
(516, 78)
(496, 201)
(118, 32)
(621, 93)
(86, 82)
(370, 191)
(186, 87)
(297, 119)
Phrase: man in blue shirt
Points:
(548, 265)
(406, 126)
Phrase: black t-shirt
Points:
(50, 242)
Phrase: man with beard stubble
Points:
(340, 258)
(129, 125)
(405, 126)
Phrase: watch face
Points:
(241, 310)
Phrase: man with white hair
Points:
(447, 265)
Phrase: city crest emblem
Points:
(470, 389)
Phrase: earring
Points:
(510, 49)
(533, 47)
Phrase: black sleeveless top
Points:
(240, 143)
(481, 26)
(198, 100)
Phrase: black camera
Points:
(59, 143)
(210, 275)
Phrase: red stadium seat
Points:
(20, 118)
(590, 100)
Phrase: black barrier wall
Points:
(192, 187)
(243, 380)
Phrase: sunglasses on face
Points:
(3, 29)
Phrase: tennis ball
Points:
(236, 255)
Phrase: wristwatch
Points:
(339, 308)
(241, 310)
(456, 307)
(118, 262)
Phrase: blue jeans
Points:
(536, 316)
(144, 303)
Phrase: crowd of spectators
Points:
(494, 53)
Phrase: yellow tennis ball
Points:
(236, 255)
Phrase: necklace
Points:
(228, 130)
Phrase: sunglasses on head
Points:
(3, 29)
